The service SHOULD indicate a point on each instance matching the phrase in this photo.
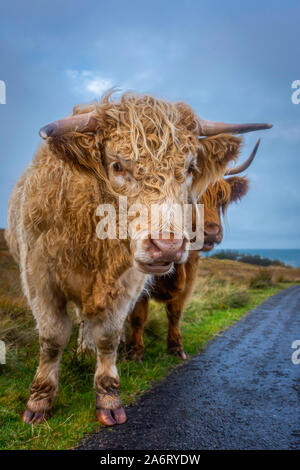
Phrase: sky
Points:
(231, 61)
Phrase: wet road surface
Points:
(242, 392)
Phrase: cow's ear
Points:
(78, 138)
(213, 157)
(79, 149)
(74, 147)
(219, 150)
(239, 187)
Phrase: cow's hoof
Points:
(179, 353)
(111, 417)
(136, 353)
(137, 356)
(38, 417)
(182, 355)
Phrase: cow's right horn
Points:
(84, 122)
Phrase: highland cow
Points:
(147, 149)
(175, 289)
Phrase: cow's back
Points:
(14, 217)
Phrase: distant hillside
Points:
(242, 272)
(248, 258)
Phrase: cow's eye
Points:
(191, 169)
(118, 168)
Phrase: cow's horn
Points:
(84, 122)
(209, 128)
(238, 169)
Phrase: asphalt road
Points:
(242, 392)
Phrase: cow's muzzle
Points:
(212, 234)
(161, 253)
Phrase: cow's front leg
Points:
(106, 330)
(106, 334)
(54, 332)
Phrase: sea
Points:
(291, 257)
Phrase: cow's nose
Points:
(167, 249)
(211, 229)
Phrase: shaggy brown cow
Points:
(175, 289)
(140, 147)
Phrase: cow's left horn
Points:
(209, 128)
(238, 169)
(84, 122)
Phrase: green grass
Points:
(215, 305)
(261, 280)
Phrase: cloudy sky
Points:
(232, 61)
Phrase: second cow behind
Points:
(175, 289)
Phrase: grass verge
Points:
(215, 305)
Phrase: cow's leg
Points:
(137, 321)
(106, 333)
(107, 330)
(55, 328)
(174, 340)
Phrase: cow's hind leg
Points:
(174, 339)
(54, 333)
(137, 321)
